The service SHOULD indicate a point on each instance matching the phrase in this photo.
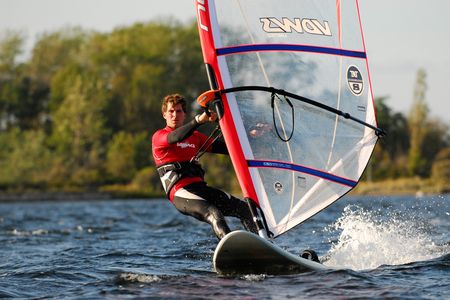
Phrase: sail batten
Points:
(301, 169)
(289, 47)
(292, 158)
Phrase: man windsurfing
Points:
(174, 150)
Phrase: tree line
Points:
(78, 114)
(417, 145)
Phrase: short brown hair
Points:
(174, 99)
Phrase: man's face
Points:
(174, 115)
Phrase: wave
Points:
(125, 278)
(62, 231)
(369, 239)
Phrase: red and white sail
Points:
(292, 161)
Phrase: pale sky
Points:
(401, 36)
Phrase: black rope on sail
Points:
(273, 97)
(215, 134)
(378, 131)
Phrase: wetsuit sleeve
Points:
(182, 132)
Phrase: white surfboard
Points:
(242, 252)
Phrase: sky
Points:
(401, 37)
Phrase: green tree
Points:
(437, 137)
(55, 50)
(142, 64)
(417, 121)
(120, 157)
(135, 61)
(79, 132)
(25, 96)
(388, 160)
(11, 44)
(396, 142)
(24, 158)
(441, 167)
(148, 179)
(127, 153)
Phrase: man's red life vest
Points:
(172, 160)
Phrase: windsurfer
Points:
(174, 148)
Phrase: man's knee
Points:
(213, 215)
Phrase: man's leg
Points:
(241, 210)
(196, 206)
(227, 204)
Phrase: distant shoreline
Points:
(34, 196)
(52, 196)
(403, 186)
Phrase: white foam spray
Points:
(134, 278)
(369, 239)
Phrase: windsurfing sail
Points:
(297, 110)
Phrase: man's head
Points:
(174, 110)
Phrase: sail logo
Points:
(355, 80)
(278, 187)
(299, 25)
(201, 14)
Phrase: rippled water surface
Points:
(381, 247)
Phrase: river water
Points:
(382, 247)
